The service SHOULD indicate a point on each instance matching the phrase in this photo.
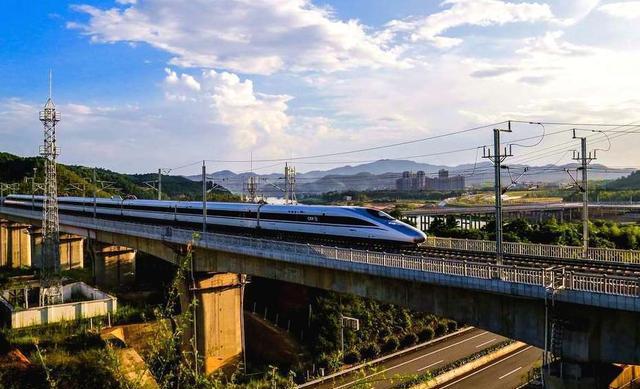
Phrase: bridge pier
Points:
(4, 243)
(71, 250)
(582, 375)
(219, 322)
(15, 245)
(114, 266)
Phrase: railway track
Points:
(577, 265)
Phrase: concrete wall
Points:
(103, 304)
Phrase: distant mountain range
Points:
(379, 175)
(382, 174)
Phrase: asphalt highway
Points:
(504, 373)
(394, 370)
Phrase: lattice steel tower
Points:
(51, 290)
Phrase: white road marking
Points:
(485, 343)
(509, 373)
(486, 367)
(428, 366)
(411, 360)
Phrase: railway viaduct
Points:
(476, 216)
(584, 318)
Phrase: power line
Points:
(576, 124)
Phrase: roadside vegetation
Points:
(313, 317)
(384, 329)
(379, 196)
(601, 233)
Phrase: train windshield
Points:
(379, 214)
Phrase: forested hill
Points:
(73, 180)
(632, 181)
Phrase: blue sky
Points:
(158, 83)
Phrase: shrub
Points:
(390, 344)
(383, 332)
(409, 340)
(426, 334)
(452, 325)
(370, 351)
(352, 356)
(441, 328)
(330, 362)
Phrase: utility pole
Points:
(152, 184)
(34, 187)
(95, 193)
(584, 160)
(497, 158)
(204, 197)
(159, 184)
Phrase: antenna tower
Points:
(289, 184)
(251, 187)
(51, 286)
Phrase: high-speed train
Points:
(342, 223)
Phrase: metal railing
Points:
(536, 250)
(278, 250)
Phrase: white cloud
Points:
(570, 12)
(257, 37)
(623, 10)
(552, 44)
(468, 12)
(251, 118)
(246, 120)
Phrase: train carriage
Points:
(340, 222)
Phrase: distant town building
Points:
(419, 181)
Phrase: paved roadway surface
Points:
(390, 372)
(504, 373)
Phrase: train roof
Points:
(290, 208)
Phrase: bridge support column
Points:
(579, 375)
(71, 252)
(114, 266)
(4, 243)
(36, 247)
(219, 321)
(19, 245)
